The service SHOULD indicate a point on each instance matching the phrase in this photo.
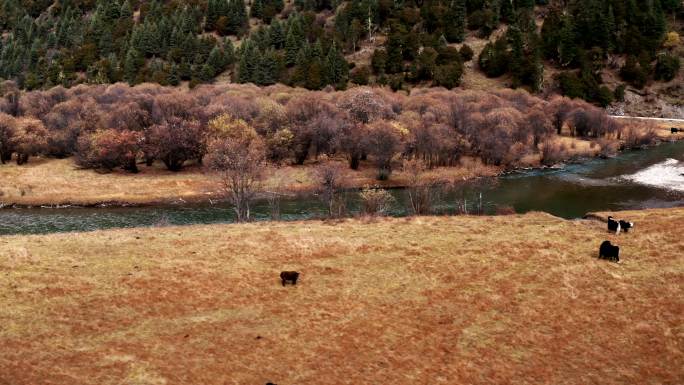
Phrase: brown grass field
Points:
(429, 300)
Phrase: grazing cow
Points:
(626, 225)
(613, 225)
(609, 252)
(289, 276)
(675, 130)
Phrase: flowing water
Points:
(633, 180)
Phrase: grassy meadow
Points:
(427, 300)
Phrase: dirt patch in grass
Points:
(441, 300)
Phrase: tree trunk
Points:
(172, 163)
(131, 166)
(22, 159)
(354, 162)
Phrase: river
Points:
(636, 179)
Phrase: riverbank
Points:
(413, 300)
(59, 182)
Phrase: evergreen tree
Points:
(336, 68)
(454, 21)
(249, 62)
(216, 60)
(134, 62)
(292, 47)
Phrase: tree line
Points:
(412, 42)
(118, 126)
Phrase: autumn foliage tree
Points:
(237, 154)
(110, 149)
(384, 143)
(7, 128)
(175, 141)
(29, 139)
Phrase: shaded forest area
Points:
(304, 43)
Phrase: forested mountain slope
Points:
(590, 49)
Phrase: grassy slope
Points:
(480, 300)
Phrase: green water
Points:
(569, 192)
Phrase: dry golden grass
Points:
(59, 182)
(429, 300)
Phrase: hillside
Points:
(477, 300)
(589, 49)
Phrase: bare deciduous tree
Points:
(238, 155)
(422, 191)
(330, 178)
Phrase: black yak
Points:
(613, 225)
(624, 225)
(609, 252)
(291, 276)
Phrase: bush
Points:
(109, 149)
(466, 53)
(448, 76)
(553, 153)
(571, 85)
(667, 67)
(633, 73)
(638, 135)
(376, 201)
(360, 75)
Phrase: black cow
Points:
(613, 225)
(609, 252)
(291, 276)
(626, 225)
(675, 130)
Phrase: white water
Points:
(668, 174)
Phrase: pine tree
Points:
(249, 62)
(216, 60)
(174, 76)
(292, 46)
(567, 48)
(336, 68)
(257, 9)
(277, 34)
(237, 15)
(454, 21)
(228, 52)
(394, 53)
(133, 64)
